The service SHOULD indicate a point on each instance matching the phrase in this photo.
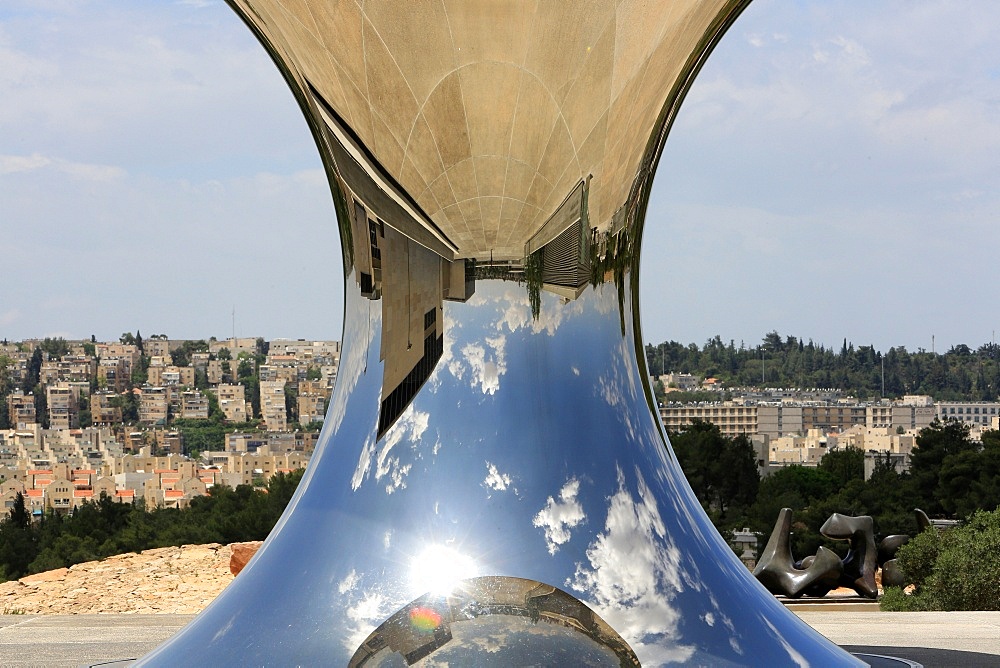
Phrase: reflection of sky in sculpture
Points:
(530, 452)
(495, 429)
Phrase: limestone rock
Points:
(242, 553)
(179, 580)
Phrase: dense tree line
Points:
(106, 527)
(950, 476)
(961, 373)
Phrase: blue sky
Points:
(831, 175)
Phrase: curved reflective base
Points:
(495, 621)
(531, 451)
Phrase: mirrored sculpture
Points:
(491, 469)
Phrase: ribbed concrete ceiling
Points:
(489, 112)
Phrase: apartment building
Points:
(63, 406)
(125, 351)
(153, 405)
(113, 373)
(21, 408)
(684, 382)
(807, 449)
(896, 415)
(101, 410)
(280, 368)
(970, 412)
(272, 405)
(194, 405)
(234, 346)
(832, 417)
(232, 401)
(312, 408)
(158, 347)
(731, 418)
(170, 375)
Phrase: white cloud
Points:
(496, 480)
(558, 517)
(633, 573)
(364, 614)
(364, 463)
(409, 428)
(486, 365)
(19, 164)
(348, 583)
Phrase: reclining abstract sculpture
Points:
(492, 483)
(818, 574)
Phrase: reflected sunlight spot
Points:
(438, 569)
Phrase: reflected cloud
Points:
(410, 426)
(793, 654)
(496, 480)
(558, 517)
(364, 463)
(358, 335)
(516, 314)
(634, 572)
(486, 367)
(363, 615)
(618, 388)
(349, 582)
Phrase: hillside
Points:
(177, 580)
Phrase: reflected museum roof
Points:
(488, 114)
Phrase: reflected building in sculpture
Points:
(492, 477)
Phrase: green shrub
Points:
(955, 570)
(894, 599)
(967, 571)
(916, 559)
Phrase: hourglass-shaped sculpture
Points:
(492, 485)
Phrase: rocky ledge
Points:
(177, 580)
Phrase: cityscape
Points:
(156, 419)
(164, 420)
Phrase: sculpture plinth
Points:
(492, 476)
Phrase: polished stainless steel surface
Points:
(492, 442)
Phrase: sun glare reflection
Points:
(437, 569)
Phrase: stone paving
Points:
(49, 619)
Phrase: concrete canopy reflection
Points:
(492, 437)
(488, 114)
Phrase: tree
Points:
(179, 357)
(844, 465)
(291, 402)
(802, 489)
(934, 444)
(17, 540)
(34, 371)
(41, 406)
(722, 471)
(55, 348)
